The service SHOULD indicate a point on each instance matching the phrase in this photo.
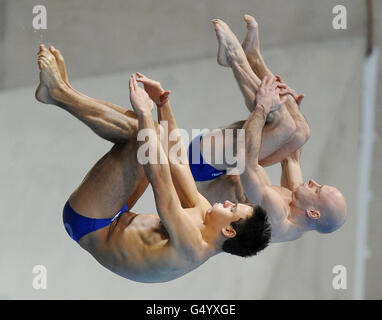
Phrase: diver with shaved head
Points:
(294, 207)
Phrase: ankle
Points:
(60, 92)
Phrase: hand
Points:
(285, 89)
(268, 95)
(154, 89)
(139, 99)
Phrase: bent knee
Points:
(290, 130)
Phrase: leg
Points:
(116, 179)
(64, 74)
(251, 46)
(231, 54)
(276, 134)
(288, 113)
(281, 127)
(114, 124)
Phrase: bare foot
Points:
(251, 43)
(50, 78)
(229, 47)
(60, 63)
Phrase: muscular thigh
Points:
(115, 180)
(221, 189)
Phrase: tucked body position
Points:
(187, 230)
(275, 132)
(295, 206)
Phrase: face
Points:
(223, 214)
(308, 195)
(320, 202)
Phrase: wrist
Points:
(162, 103)
(262, 109)
(145, 114)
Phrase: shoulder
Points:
(192, 252)
(285, 231)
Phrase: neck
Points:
(298, 217)
(212, 237)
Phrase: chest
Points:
(148, 229)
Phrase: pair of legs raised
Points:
(117, 178)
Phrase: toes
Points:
(47, 55)
(42, 48)
(222, 24)
(57, 53)
(250, 21)
(219, 23)
(43, 61)
(215, 23)
(41, 64)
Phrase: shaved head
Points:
(332, 207)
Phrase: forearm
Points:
(302, 131)
(291, 173)
(174, 138)
(156, 168)
(253, 136)
(180, 172)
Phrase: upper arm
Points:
(178, 161)
(259, 191)
(171, 213)
(182, 231)
(184, 184)
(256, 184)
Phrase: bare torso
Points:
(230, 188)
(138, 247)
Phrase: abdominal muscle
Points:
(140, 250)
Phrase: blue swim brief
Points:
(77, 225)
(200, 170)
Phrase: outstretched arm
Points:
(292, 105)
(167, 202)
(180, 171)
(256, 182)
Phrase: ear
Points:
(229, 232)
(313, 214)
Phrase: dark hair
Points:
(252, 234)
